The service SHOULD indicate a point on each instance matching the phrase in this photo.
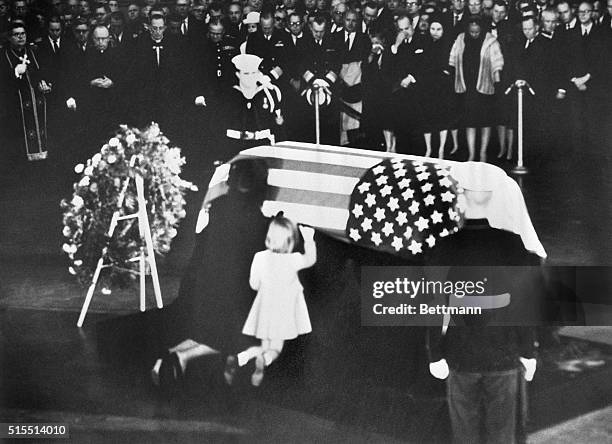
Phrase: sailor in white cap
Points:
(251, 112)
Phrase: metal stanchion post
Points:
(520, 85)
(317, 115)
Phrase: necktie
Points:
(55, 46)
(455, 19)
(585, 33)
(184, 28)
(348, 42)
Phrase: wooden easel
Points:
(147, 253)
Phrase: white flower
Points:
(71, 270)
(77, 201)
(93, 187)
(106, 291)
(79, 168)
(130, 139)
(66, 231)
(69, 248)
(78, 262)
(117, 182)
(172, 233)
(84, 182)
(153, 130)
(114, 142)
(111, 158)
(181, 214)
(88, 171)
(95, 160)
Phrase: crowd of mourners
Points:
(412, 76)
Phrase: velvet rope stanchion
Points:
(147, 253)
(520, 85)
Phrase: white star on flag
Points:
(386, 190)
(376, 239)
(422, 223)
(379, 214)
(447, 196)
(414, 207)
(431, 241)
(397, 243)
(400, 173)
(429, 200)
(423, 176)
(379, 169)
(370, 200)
(388, 228)
(358, 211)
(408, 233)
(382, 180)
(404, 183)
(436, 217)
(364, 187)
(427, 187)
(415, 247)
(354, 234)
(401, 218)
(446, 182)
(366, 224)
(408, 194)
(393, 203)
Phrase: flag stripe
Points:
(315, 215)
(302, 180)
(313, 156)
(331, 200)
(316, 167)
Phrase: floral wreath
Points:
(87, 216)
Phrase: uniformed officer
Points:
(221, 48)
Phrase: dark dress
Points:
(477, 110)
(439, 101)
(215, 296)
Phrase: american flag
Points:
(404, 206)
(312, 184)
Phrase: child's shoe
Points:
(230, 369)
(258, 374)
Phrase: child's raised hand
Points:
(307, 232)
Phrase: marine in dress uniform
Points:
(221, 48)
(321, 64)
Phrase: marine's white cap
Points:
(252, 17)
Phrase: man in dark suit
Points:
(234, 14)
(583, 64)
(95, 95)
(408, 70)
(532, 62)
(52, 55)
(455, 18)
(352, 48)
(374, 22)
(163, 89)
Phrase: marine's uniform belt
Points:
(249, 135)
